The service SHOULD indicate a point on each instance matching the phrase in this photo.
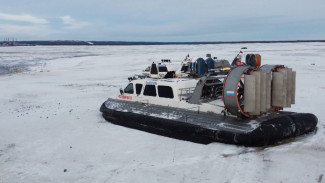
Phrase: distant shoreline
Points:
(102, 43)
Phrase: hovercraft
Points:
(240, 103)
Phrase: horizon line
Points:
(79, 42)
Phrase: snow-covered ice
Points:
(51, 129)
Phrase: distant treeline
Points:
(31, 43)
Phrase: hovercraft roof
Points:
(173, 82)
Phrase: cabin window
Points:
(162, 69)
(147, 69)
(184, 68)
(150, 90)
(165, 92)
(129, 89)
(138, 88)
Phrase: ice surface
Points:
(50, 120)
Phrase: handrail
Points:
(188, 92)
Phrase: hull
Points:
(204, 127)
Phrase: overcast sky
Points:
(162, 20)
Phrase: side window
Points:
(162, 69)
(165, 92)
(129, 89)
(147, 69)
(150, 90)
(184, 68)
(138, 88)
